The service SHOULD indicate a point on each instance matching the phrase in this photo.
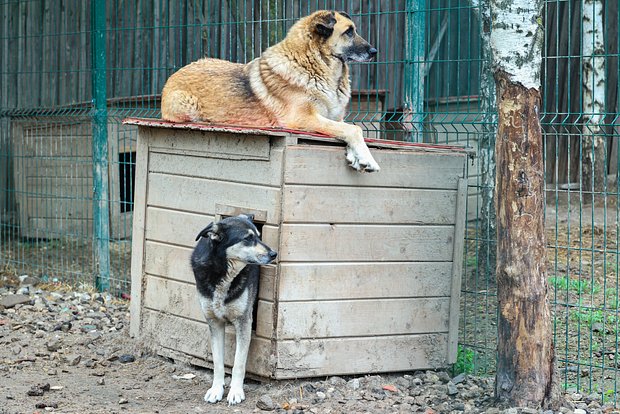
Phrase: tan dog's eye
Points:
(349, 32)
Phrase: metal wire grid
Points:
(433, 46)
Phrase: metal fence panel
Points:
(65, 157)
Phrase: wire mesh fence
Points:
(431, 82)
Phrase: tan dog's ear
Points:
(345, 15)
(324, 25)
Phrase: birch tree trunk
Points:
(593, 144)
(526, 373)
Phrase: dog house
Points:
(369, 267)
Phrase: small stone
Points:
(11, 301)
(101, 381)
(54, 345)
(321, 395)
(123, 401)
(16, 349)
(38, 390)
(88, 328)
(28, 280)
(443, 376)
(354, 384)
(458, 406)
(46, 406)
(452, 390)
(65, 327)
(431, 378)
(24, 290)
(579, 411)
(126, 358)
(598, 327)
(73, 360)
(265, 403)
(527, 410)
(459, 378)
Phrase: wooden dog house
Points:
(369, 267)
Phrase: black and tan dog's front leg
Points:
(358, 154)
(243, 333)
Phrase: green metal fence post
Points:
(415, 46)
(101, 213)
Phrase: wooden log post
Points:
(526, 360)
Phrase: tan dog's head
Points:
(336, 34)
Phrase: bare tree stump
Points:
(526, 360)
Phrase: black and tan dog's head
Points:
(338, 36)
(237, 238)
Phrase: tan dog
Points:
(300, 83)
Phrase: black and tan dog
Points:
(300, 83)
(226, 267)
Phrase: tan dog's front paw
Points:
(362, 162)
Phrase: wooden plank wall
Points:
(376, 275)
(208, 176)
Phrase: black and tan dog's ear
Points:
(248, 216)
(211, 232)
(324, 25)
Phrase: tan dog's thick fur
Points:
(300, 83)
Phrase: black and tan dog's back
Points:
(226, 267)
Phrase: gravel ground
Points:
(69, 352)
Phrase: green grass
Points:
(590, 316)
(464, 361)
(577, 286)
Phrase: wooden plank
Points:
(181, 228)
(191, 339)
(173, 262)
(243, 171)
(139, 234)
(202, 195)
(457, 270)
(53, 228)
(44, 205)
(322, 165)
(369, 317)
(324, 204)
(351, 356)
(340, 242)
(226, 145)
(328, 281)
(181, 299)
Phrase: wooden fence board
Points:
(370, 317)
(340, 242)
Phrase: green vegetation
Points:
(464, 361)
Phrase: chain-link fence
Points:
(71, 70)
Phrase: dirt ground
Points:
(69, 351)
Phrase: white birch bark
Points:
(516, 40)
(594, 168)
